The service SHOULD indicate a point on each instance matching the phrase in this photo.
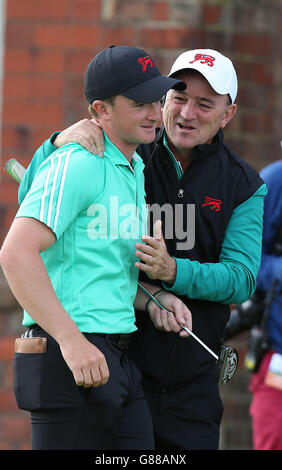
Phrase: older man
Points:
(207, 250)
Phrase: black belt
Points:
(112, 336)
(120, 338)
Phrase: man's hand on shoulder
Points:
(87, 133)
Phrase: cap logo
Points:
(145, 61)
(204, 59)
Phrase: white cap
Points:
(217, 69)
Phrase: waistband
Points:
(120, 338)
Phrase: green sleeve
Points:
(40, 155)
(233, 278)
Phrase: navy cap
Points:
(127, 71)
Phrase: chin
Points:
(147, 139)
(184, 143)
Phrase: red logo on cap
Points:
(204, 59)
(145, 61)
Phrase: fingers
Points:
(87, 133)
(104, 372)
(83, 378)
(150, 257)
(87, 363)
(157, 319)
(98, 374)
(84, 140)
(94, 376)
(182, 316)
(89, 136)
(157, 230)
(157, 239)
(97, 137)
(148, 248)
(146, 258)
(164, 320)
(175, 314)
(172, 323)
(154, 257)
(148, 242)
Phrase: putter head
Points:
(227, 363)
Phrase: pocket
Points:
(44, 381)
(28, 380)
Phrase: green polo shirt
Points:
(96, 208)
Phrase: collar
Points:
(203, 149)
(216, 143)
(176, 164)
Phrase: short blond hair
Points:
(92, 111)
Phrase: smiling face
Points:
(194, 116)
(129, 123)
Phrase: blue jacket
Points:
(271, 263)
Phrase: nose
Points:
(154, 111)
(188, 110)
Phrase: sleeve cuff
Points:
(183, 275)
(49, 147)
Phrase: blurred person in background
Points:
(266, 383)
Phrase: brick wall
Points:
(47, 47)
(14, 424)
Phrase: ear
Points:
(228, 115)
(101, 108)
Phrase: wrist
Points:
(171, 272)
(151, 300)
(68, 336)
(54, 139)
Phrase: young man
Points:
(69, 259)
(189, 165)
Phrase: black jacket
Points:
(166, 360)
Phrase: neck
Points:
(184, 156)
(127, 152)
(125, 148)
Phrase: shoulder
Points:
(76, 154)
(246, 180)
(70, 167)
(272, 173)
(240, 165)
(73, 161)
